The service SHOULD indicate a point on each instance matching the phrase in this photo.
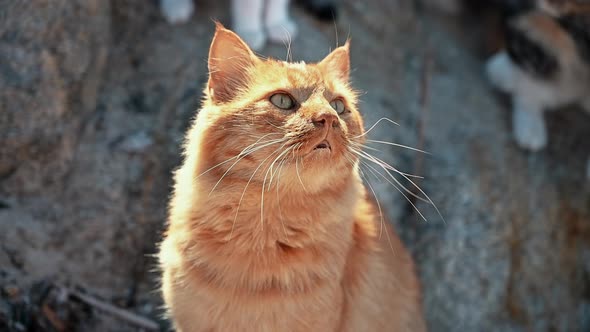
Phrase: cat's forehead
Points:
(301, 72)
(300, 65)
(304, 77)
(302, 68)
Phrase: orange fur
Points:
(287, 240)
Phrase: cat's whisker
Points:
(375, 124)
(272, 124)
(383, 164)
(387, 167)
(362, 146)
(299, 148)
(289, 57)
(263, 184)
(280, 169)
(347, 156)
(297, 171)
(283, 160)
(376, 199)
(244, 156)
(398, 184)
(427, 197)
(398, 189)
(381, 214)
(270, 168)
(288, 44)
(272, 174)
(244, 193)
(398, 145)
(236, 156)
(407, 178)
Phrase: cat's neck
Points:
(261, 216)
(279, 233)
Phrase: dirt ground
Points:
(84, 179)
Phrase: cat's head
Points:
(266, 118)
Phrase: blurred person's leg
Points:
(280, 27)
(177, 11)
(247, 21)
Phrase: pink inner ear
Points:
(337, 63)
(229, 60)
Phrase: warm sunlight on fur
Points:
(270, 226)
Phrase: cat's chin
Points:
(323, 147)
(323, 157)
(322, 150)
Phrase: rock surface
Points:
(95, 97)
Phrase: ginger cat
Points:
(270, 226)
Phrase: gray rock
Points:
(52, 58)
(136, 143)
(511, 255)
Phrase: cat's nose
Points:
(326, 119)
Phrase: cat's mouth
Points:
(323, 145)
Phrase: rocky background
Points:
(95, 96)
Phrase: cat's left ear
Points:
(338, 62)
(229, 61)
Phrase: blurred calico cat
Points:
(546, 64)
(254, 21)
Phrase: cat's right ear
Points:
(229, 60)
(337, 63)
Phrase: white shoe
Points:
(177, 11)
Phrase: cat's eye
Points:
(338, 105)
(282, 101)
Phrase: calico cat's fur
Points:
(270, 226)
(254, 20)
(546, 65)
